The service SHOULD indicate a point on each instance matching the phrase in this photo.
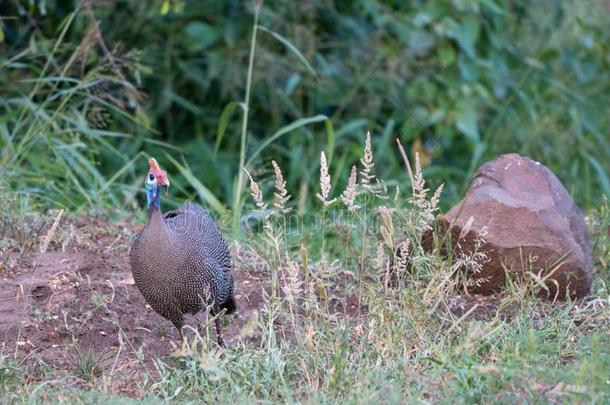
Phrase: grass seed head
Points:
(349, 195)
(281, 194)
(256, 192)
(325, 183)
(366, 174)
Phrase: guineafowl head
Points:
(156, 179)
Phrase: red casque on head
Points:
(160, 174)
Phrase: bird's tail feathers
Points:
(229, 305)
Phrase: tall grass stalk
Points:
(244, 125)
(50, 59)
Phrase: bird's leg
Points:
(219, 338)
(179, 323)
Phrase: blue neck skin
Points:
(153, 197)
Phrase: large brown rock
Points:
(529, 224)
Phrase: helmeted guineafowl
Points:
(180, 262)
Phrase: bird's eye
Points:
(151, 177)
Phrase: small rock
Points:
(528, 223)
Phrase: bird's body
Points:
(181, 264)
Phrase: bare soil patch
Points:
(56, 304)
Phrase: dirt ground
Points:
(77, 299)
(80, 299)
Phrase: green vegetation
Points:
(338, 324)
(91, 88)
(88, 90)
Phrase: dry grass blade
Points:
(407, 164)
(462, 318)
(51, 232)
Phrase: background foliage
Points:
(88, 86)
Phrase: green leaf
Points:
(107, 183)
(205, 195)
(201, 35)
(466, 34)
(184, 102)
(223, 122)
(330, 140)
(301, 122)
(602, 176)
(467, 120)
(493, 6)
(420, 42)
(165, 7)
(446, 55)
(352, 126)
(290, 47)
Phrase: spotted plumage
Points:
(180, 261)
